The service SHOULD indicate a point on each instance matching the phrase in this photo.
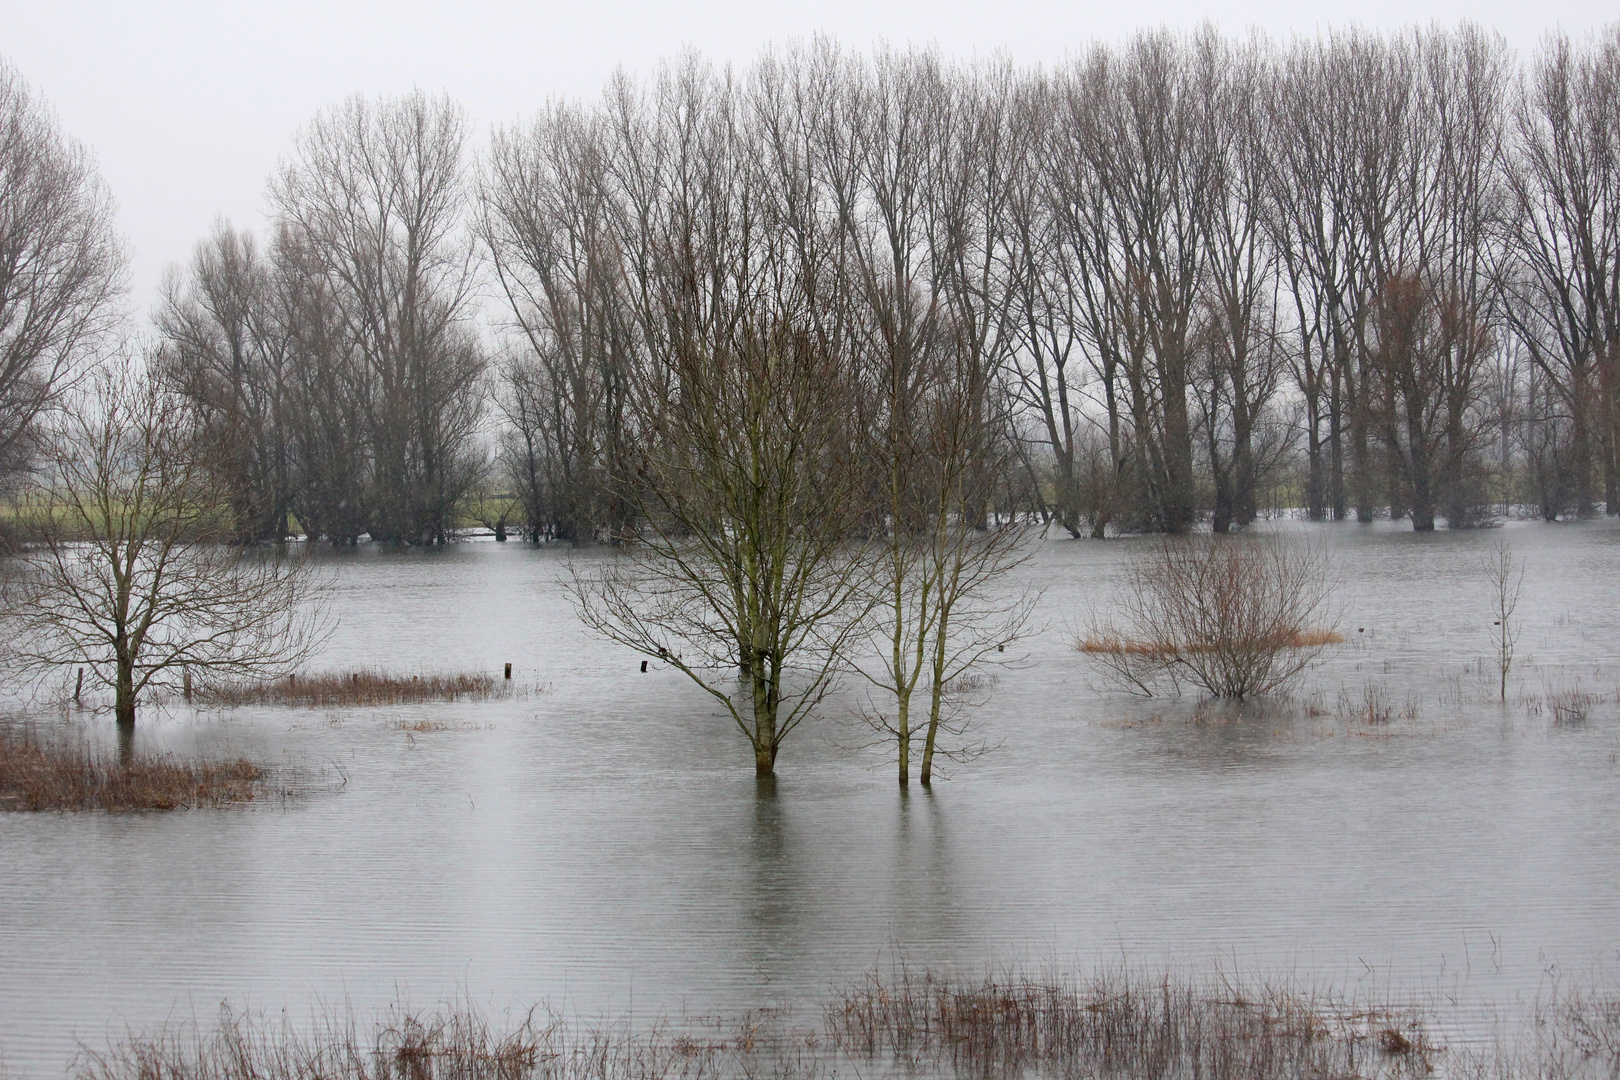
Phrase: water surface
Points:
(598, 841)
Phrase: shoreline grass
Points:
(900, 1021)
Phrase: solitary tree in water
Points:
(128, 576)
(740, 563)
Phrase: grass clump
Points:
(1122, 1025)
(36, 775)
(364, 687)
(453, 1042)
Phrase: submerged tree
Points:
(131, 574)
(740, 571)
(940, 606)
(1564, 182)
(1505, 574)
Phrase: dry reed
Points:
(1120, 1024)
(902, 1022)
(1164, 650)
(358, 688)
(453, 1042)
(38, 775)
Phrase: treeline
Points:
(1183, 277)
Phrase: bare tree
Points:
(1050, 357)
(547, 221)
(1409, 363)
(131, 574)
(740, 569)
(1131, 163)
(940, 606)
(1341, 113)
(1243, 360)
(1565, 187)
(228, 353)
(61, 267)
(1466, 80)
(374, 200)
(1505, 574)
(329, 391)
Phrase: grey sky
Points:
(189, 103)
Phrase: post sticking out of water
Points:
(508, 672)
(644, 665)
(78, 687)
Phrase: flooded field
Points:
(597, 840)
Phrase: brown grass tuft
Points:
(1163, 650)
(78, 776)
(427, 726)
(366, 687)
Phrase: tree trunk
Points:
(124, 711)
(1244, 510)
(765, 705)
(926, 776)
(903, 734)
(1315, 486)
(1422, 492)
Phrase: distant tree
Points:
(62, 267)
(1409, 366)
(226, 347)
(374, 200)
(548, 223)
(130, 573)
(1564, 182)
(1240, 362)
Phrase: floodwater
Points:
(599, 842)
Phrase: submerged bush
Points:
(1234, 616)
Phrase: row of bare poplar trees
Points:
(1365, 273)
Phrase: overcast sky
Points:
(188, 104)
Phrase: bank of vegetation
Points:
(1013, 1025)
(60, 773)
